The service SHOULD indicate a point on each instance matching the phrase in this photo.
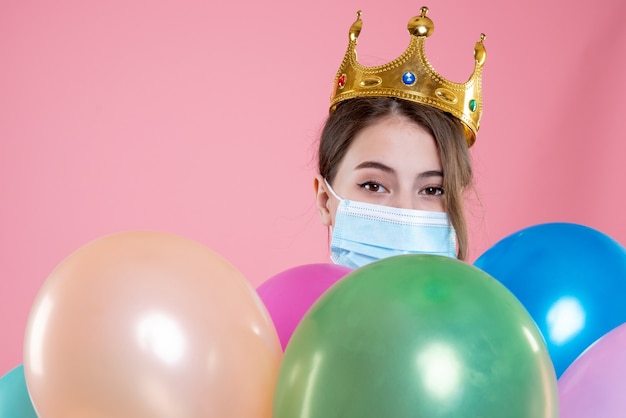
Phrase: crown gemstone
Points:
(472, 105)
(341, 82)
(408, 78)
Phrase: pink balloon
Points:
(149, 325)
(594, 385)
(289, 295)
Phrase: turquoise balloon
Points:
(416, 336)
(14, 399)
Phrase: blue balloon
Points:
(570, 278)
(14, 399)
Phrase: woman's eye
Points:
(432, 191)
(373, 187)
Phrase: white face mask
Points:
(366, 232)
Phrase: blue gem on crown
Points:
(408, 78)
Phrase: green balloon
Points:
(416, 336)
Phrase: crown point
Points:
(480, 53)
(355, 29)
(421, 25)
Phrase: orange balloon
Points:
(148, 324)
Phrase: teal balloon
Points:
(416, 336)
(14, 399)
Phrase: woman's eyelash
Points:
(372, 186)
(433, 191)
(377, 187)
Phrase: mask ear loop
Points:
(332, 191)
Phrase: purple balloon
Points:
(289, 295)
(594, 385)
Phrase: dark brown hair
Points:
(351, 116)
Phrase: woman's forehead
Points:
(394, 142)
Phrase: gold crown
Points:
(411, 77)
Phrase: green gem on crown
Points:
(472, 105)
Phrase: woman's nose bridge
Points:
(405, 199)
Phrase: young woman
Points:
(393, 155)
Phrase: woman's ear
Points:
(322, 200)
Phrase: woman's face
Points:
(394, 162)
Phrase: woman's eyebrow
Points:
(387, 169)
(375, 164)
(431, 173)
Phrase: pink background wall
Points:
(199, 120)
